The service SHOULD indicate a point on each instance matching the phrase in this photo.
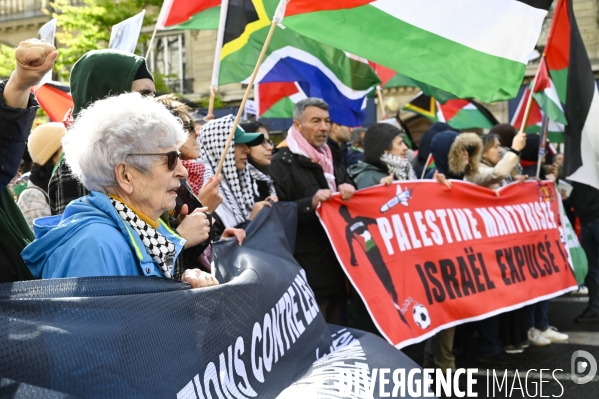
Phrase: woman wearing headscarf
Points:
(238, 206)
(385, 158)
(483, 171)
(45, 148)
(125, 150)
(259, 160)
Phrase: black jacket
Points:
(585, 200)
(297, 179)
(15, 126)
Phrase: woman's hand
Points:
(195, 228)
(440, 178)
(272, 198)
(520, 178)
(209, 195)
(198, 278)
(387, 180)
(519, 141)
(258, 207)
(239, 234)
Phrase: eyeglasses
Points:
(173, 157)
(267, 143)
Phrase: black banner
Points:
(258, 334)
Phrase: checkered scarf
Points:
(238, 195)
(195, 174)
(400, 167)
(157, 245)
(257, 176)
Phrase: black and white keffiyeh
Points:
(158, 246)
(257, 176)
(238, 194)
(400, 167)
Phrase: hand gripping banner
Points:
(425, 257)
(257, 335)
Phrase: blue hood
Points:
(440, 147)
(55, 231)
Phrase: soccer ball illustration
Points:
(421, 316)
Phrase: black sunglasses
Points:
(172, 156)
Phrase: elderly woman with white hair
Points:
(125, 150)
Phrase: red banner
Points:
(425, 257)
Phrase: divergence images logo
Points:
(583, 362)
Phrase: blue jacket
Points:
(90, 239)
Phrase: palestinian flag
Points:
(340, 79)
(189, 14)
(470, 48)
(458, 113)
(570, 70)
(555, 132)
(277, 100)
(545, 94)
(390, 78)
(55, 99)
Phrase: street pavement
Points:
(555, 360)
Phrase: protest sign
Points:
(425, 257)
(124, 35)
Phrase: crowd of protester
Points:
(129, 186)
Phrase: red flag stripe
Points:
(558, 43)
(54, 101)
(542, 82)
(452, 107)
(295, 7)
(385, 74)
(182, 10)
(272, 93)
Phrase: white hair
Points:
(109, 130)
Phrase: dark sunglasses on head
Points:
(172, 156)
(189, 126)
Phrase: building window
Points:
(168, 57)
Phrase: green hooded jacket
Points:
(365, 175)
(100, 73)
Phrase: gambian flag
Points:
(189, 14)
(342, 80)
(458, 113)
(570, 70)
(470, 48)
(555, 132)
(277, 100)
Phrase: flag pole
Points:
(379, 94)
(224, 7)
(211, 104)
(542, 140)
(151, 41)
(425, 165)
(246, 95)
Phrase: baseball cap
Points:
(251, 139)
